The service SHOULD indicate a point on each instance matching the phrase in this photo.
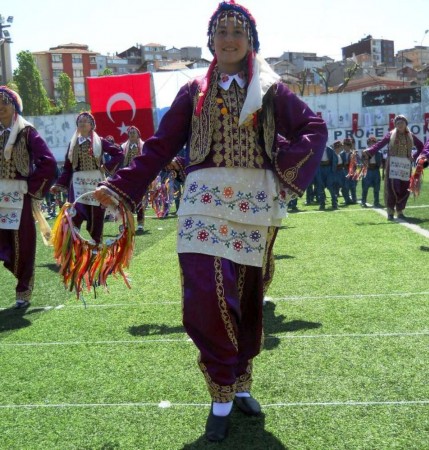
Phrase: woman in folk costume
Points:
(132, 148)
(400, 142)
(27, 170)
(235, 195)
(84, 169)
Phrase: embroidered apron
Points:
(86, 181)
(11, 203)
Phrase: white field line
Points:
(134, 304)
(166, 404)
(185, 339)
(383, 212)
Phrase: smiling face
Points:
(231, 45)
(6, 111)
(401, 125)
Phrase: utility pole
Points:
(4, 39)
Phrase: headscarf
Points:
(18, 122)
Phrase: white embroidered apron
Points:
(226, 212)
(86, 181)
(399, 168)
(11, 203)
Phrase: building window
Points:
(56, 73)
(57, 57)
(92, 60)
(77, 73)
(77, 59)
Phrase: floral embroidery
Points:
(10, 197)
(244, 206)
(206, 198)
(255, 236)
(238, 245)
(241, 201)
(222, 235)
(188, 223)
(203, 235)
(261, 196)
(228, 192)
(9, 218)
(193, 187)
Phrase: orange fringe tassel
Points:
(416, 178)
(85, 264)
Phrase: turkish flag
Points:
(355, 122)
(391, 121)
(119, 101)
(426, 124)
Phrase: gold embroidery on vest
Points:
(268, 122)
(402, 146)
(131, 154)
(201, 126)
(82, 159)
(19, 160)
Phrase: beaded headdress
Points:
(241, 16)
(400, 117)
(87, 115)
(12, 97)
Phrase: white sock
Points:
(242, 394)
(222, 409)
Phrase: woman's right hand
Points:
(105, 196)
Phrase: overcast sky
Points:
(321, 27)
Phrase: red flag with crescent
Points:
(119, 101)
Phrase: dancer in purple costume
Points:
(84, 167)
(238, 184)
(27, 170)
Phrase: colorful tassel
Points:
(416, 179)
(85, 264)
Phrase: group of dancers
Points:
(391, 159)
(238, 183)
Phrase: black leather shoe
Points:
(216, 427)
(248, 405)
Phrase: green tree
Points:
(66, 98)
(106, 71)
(30, 87)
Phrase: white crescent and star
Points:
(121, 97)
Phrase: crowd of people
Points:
(390, 159)
(245, 148)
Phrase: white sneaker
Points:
(139, 227)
